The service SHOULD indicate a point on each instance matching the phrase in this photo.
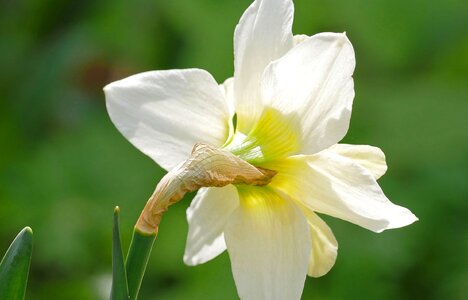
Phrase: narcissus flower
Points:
(291, 97)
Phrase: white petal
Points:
(299, 38)
(368, 157)
(164, 113)
(269, 246)
(313, 87)
(227, 87)
(324, 245)
(331, 184)
(262, 35)
(207, 217)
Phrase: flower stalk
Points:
(137, 260)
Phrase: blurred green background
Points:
(63, 165)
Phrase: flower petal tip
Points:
(189, 261)
(405, 219)
(194, 259)
(109, 88)
(106, 88)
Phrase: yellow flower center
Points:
(273, 136)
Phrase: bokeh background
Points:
(63, 165)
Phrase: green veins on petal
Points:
(273, 136)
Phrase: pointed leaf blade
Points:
(14, 267)
(119, 275)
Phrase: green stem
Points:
(137, 259)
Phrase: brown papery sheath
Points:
(207, 166)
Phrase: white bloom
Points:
(292, 96)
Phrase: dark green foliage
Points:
(14, 267)
(127, 277)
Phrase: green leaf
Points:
(137, 259)
(14, 267)
(119, 289)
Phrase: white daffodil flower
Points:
(292, 97)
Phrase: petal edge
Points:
(151, 110)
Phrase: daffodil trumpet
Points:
(207, 166)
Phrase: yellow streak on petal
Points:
(285, 168)
(265, 204)
(252, 197)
